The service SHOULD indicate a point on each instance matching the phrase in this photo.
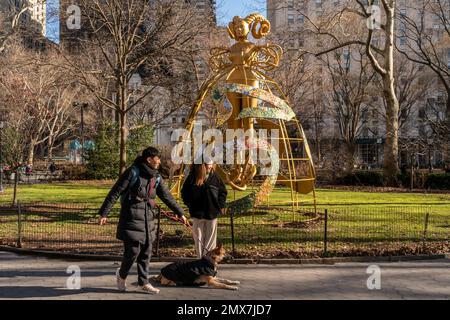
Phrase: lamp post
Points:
(82, 105)
(1, 159)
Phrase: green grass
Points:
(93, 193)
(367, 221)
(59, 193)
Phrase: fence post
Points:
(157, 232)
(19, 225)
(425, 231)
(16, 182)
(325, 235)
(232, 232)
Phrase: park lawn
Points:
(94, 193)
(332, 197)
(357, 220)
(89, 193)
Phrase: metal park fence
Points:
(266, 232)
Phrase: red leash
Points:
(174, 217)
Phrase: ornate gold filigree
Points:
(266, 58)
(219, 59)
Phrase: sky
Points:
(226, 10)
(52, 20)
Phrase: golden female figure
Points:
(245, 95)
(245, 58)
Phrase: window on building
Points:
(448, 59)
(290, 18)
(402, 28)
(436, 22)
(422, 113)
(375, 41)
(402, 40)
(290, 4)
(365, 132)
(375, 131)
(346, 57)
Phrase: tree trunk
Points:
(102, 113)
(446, 140)
(50, 154)
(123, 142)
(318, 147)
(316, 125)
(122, 86)
(16, 182)
(391, 169)
(350, 156)
(318, 151)
(411, 184)
(31, 152)
(49, 149)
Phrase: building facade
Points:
(294, 24)
(34, 17)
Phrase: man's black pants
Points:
(139, 252)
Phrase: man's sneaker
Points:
(148, 288)
(121, 283)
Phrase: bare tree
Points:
(11, 18)
(353, 25)
(412, 86)
(303, 89)
(318, 113)
(133, 37)
(425, 35)
(350, 76)
(39, 96)
(9, 21)
(61, 120)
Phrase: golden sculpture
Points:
(247, 101)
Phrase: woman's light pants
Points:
(205, 235)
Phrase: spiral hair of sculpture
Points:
(256, 19)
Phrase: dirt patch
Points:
(307, 225)
(179, 248)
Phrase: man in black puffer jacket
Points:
(138, 187)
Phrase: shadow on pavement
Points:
(18, 292)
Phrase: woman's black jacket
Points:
(206, 201)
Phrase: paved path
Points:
(27, 277)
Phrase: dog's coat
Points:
(196, 273)
(185, 273)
